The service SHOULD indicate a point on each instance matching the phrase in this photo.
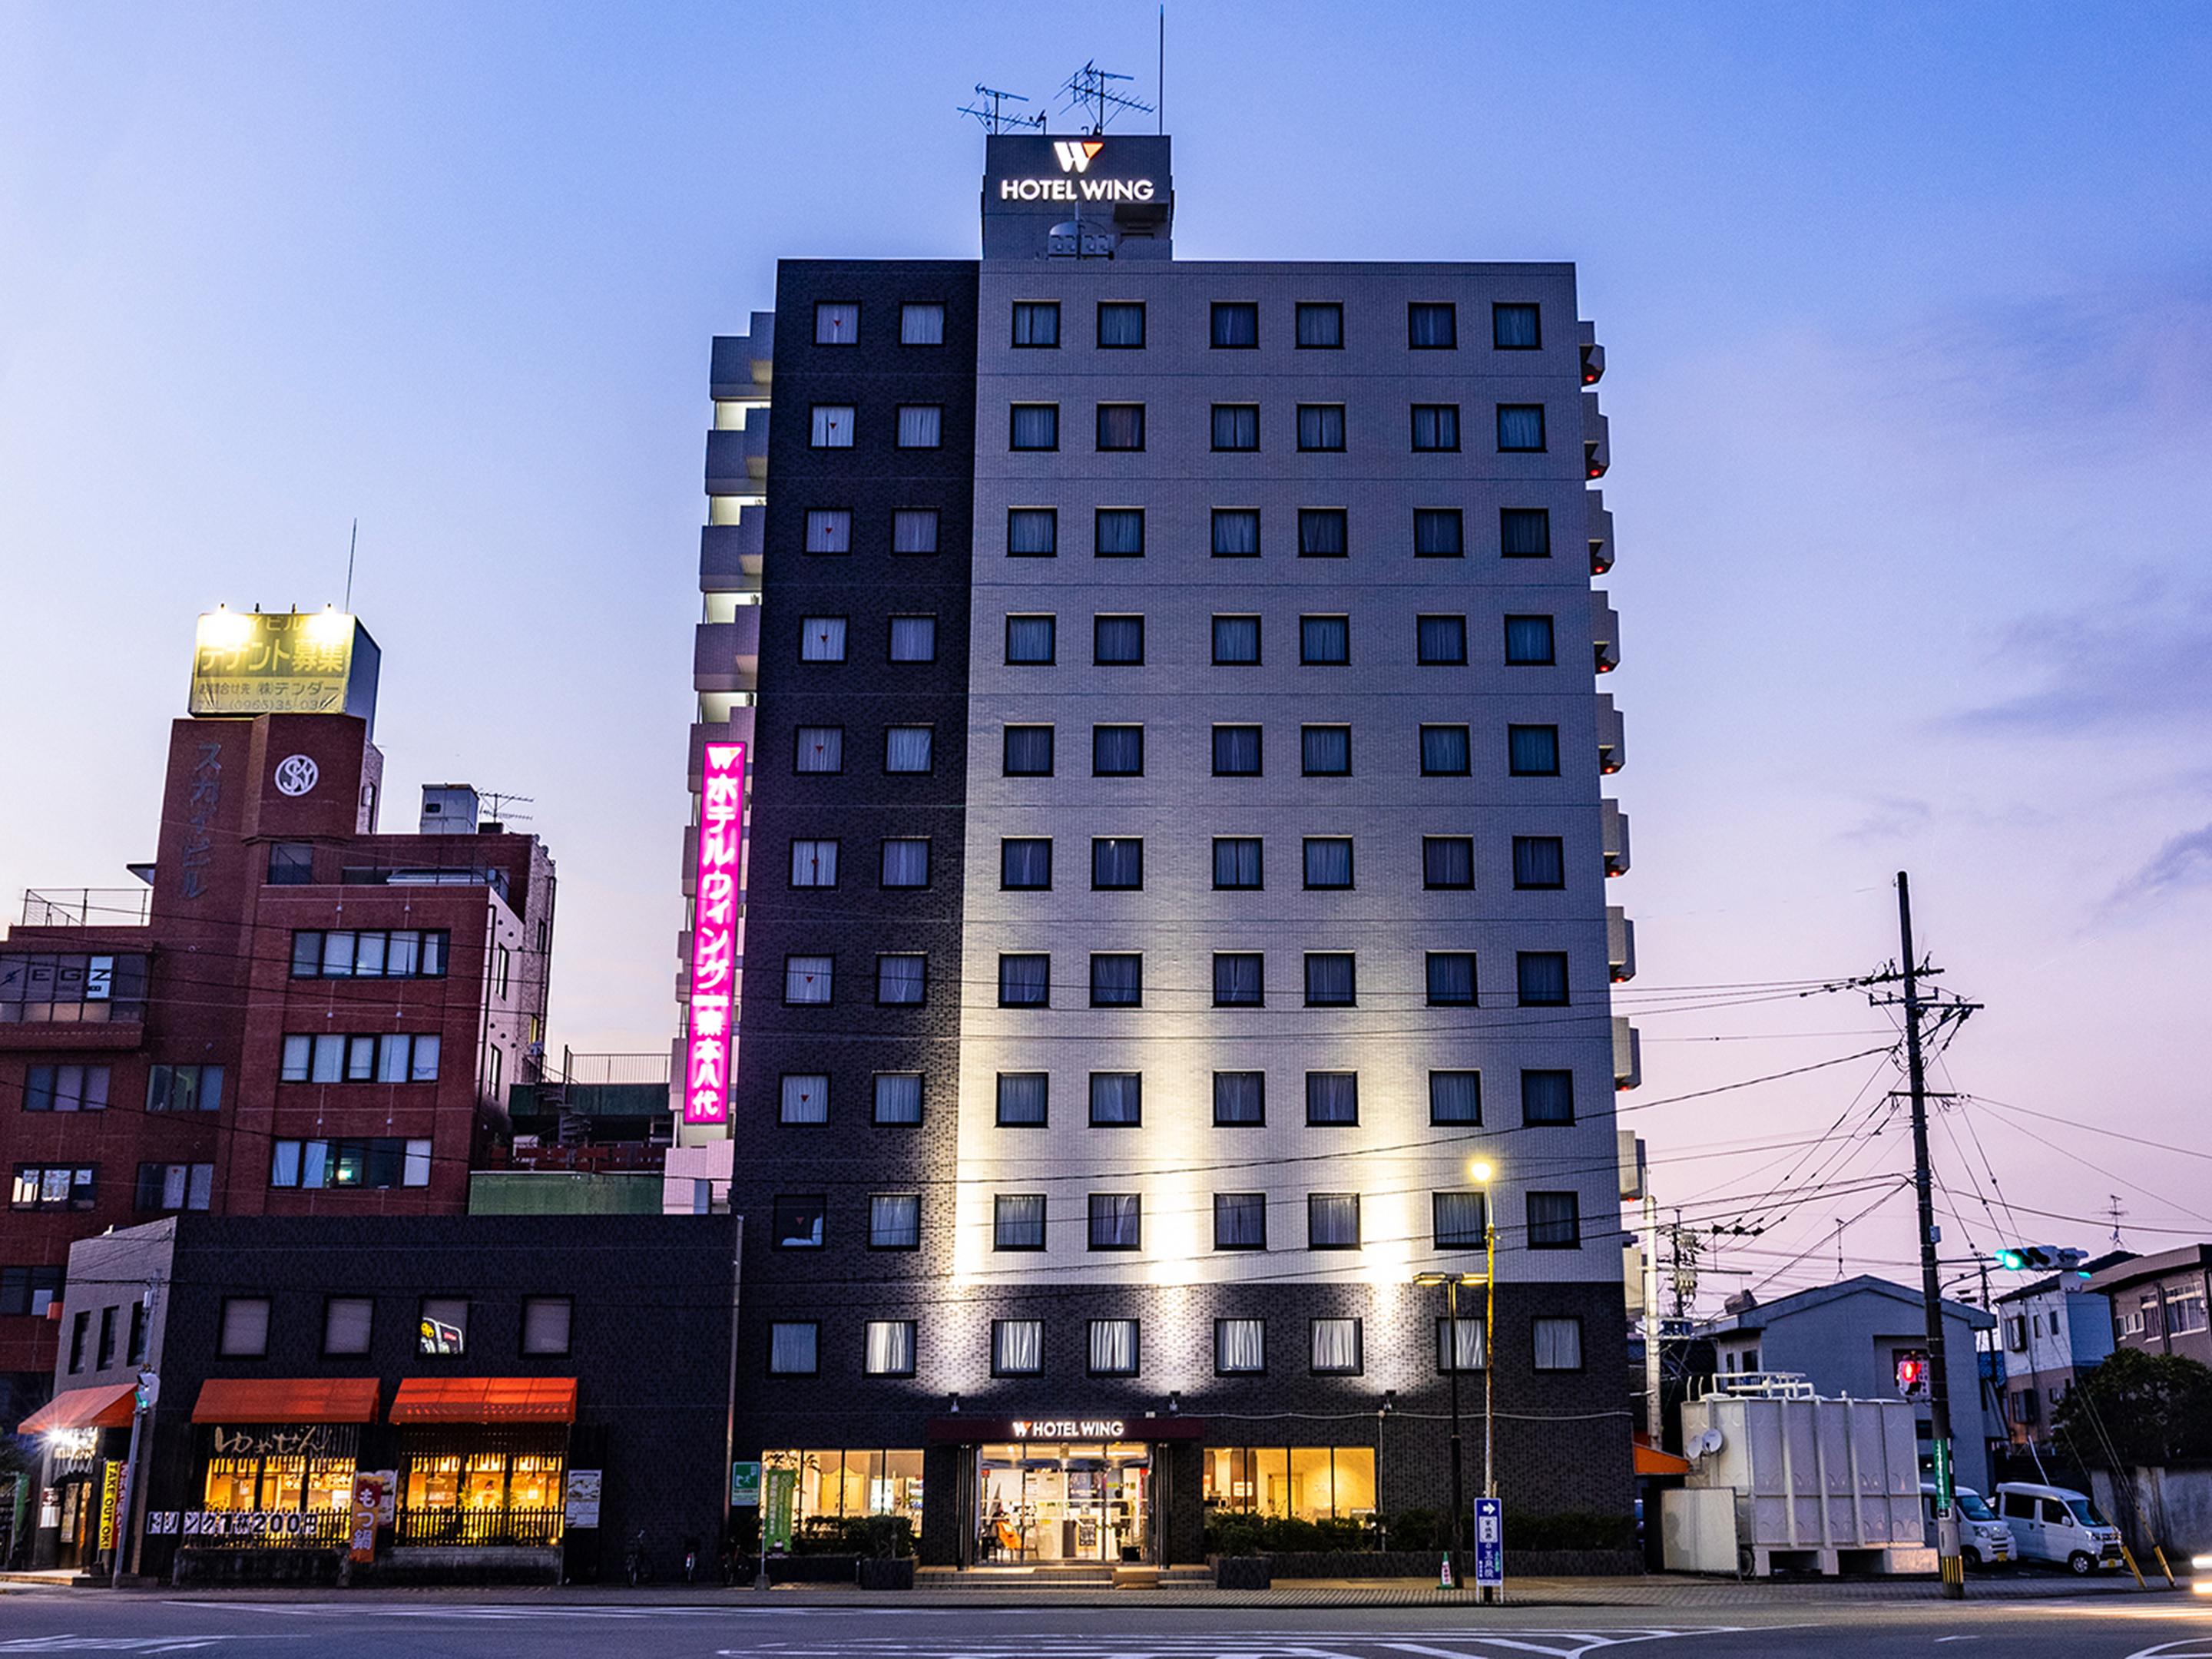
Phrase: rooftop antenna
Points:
(1088, 90)
(2114, 1210)
(350, 546)
(994, 119)
(1160, 86)
(496, 802)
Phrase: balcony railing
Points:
(86, 907)
(480, 1529)
(649, 1067)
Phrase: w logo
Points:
(1074, 153)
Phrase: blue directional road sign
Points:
(1489, 1544)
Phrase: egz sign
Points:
(715, 935)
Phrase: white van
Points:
(1985, 1540)
(2059, 1525)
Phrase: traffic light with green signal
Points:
(2043, 1258)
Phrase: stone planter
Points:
(812, 1569)
(888, 1572)
(1243, 1572)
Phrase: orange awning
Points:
(485, 1399)
(106, 1407)
(1650, 1461)
(287, 1399)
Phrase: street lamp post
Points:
(1480, 1173)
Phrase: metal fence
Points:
(480, 1528)
(88, 907)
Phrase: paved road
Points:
(365, 1627)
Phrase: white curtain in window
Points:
(914, 639)
(806, 979)
(1117, 861)
(906, 749)
(1025, 862)
(1462, 1345)
(906, 863)
(814, 863)
(895, 1220)
(1117, 1098)
(1459, 1221)
(898, 1097)
(1240, 1096)
(424, 1066)
(791, 1349)
(1328, 861)
(1023, 1096)
(890, 1347)
(1029, 639)
(1332, 1097)
(1456, 1097)
(1016, 1346)
(921, 425)
(1447, 861)
(414, 1168)
(314, 1163)
(901, 978)
(822, 639)
(1235, 533)
(329, 1060)
(1036, 426)
(806, 1097)
(837, 324)
(829, 530)
(1238, 979)
(914, 530)
(298, 1061)
(1025, 981)
(1017, 1221)
(820, 748)
(1559, 1345)
(1336, 1345)
(1240, 1345)
(1113, 1346)
(832, 427)
(1332, 1220)
(338, 955)
(1520, 426)
(922, 324)
(1240, 1221)
(1115, 1220)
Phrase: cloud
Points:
(1891, 817)
(2136, 657)
(2183, 864)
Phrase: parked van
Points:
(2059, 1525)
(1984, 1540)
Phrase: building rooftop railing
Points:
(89, 907)
(573, 1067)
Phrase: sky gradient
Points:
(1908, 315)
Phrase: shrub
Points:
(880, 1536)
(1571, 1529)
(1417, 1529)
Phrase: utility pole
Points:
(1654, 1326)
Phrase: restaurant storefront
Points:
(84, 1435)
(1069, 1492)
(277, 1460)
(484, 1462)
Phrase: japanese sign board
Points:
(283, 663)
(1489, 1543)
(744, 1486)
(779, 1490)
(367, 1498)
(579, 1497)
(111, 1493)
(715, 935)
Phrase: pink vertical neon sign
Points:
(715, 935)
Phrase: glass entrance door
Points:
(1039, 1504)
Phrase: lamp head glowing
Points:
(1479, 1171)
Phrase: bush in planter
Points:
(880, 1537)
(1571, 1529)
(1234, 1535)
(1417, 1529)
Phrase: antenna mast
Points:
(2116, 1212)
(994, 119)
(1088, 90)
(350, 546)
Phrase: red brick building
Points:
(302, 1015)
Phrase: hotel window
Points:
(797, 1220)
(1454, 1096)
(1117, 862)
(1439, 532)
(1447, 861)
(1432, 328)
(372, 1164)
(1116, 1221)
(1117, 979)
(1118, 533)
(1555, 1221)
(907, 749)
(1558, 1343)
(836, 323)
(1332, 1221)
(547, 1322)
(1236, 752)
(913, 639)
(1235, 532)
(902, 979)
(803, 1098)
(1117, 1100)
(832, 425)
(1539, 861)
(822, 639)
(1515, 328)
(1236, 426)
(922, 324)
(1325, 751)
(1117, 751)
(1031, 640)
(1121, 425)
(1320, 327)
(1235, 641)
(1443, 752)
(1025, 863)
(1034, 426)
(348, 1323)
(291, 863)
(1117, 641)
(1017, 1347)
(887, 1348)
(84, 1088)
(921, 425)
(380, 953)
(1235, 325)
(1451, 979)
(1240, 1099)
(1240, 1345)
(1533, 751)
(29, 1290)
(1528, 641)
(806, 979)
(1239, 980)
(814, 863)
(914, 530)
(1461, 1220)
(1017, 1221)
(1547, 1096)
(1112, 1347)
(1436, 427)
(1461, 1345)
(819, 749)
(1237, 861)
(1330, 981)
(392, 1057)
(1024, 1099)
(1440, 641)
(1334, 1345)
(1032, 533)
(905, 861)
(244, 1332)
(1524, 532)
(829, 530)
(174, 1186)
(794, 1348)
(1037, 323)
(1025, 980)
(1121, 325)
(1542, 978)
(1332, 1098)
(1322, 533)
(898, 1098)
(1328, 861)
(1324, 641)
(1520, 428)
(444, 1327)
(894, 1221)
(1321, 426)
(1028, 752)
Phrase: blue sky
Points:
(1909, 315)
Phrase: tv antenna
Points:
(2116, 1212)
(1088, 90)
(496, 803)
(994, 119)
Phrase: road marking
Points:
(1473, 1643)
(118, 1644)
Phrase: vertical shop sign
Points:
(779, 1493)
(111, 1489)
(715, 935)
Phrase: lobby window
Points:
(887, 1347)
(1117, 751)
(1240, 1099)
(547, 1323)
(1462, 1345)
(1117, 1100)
(1330, 979)
(1454, 1096)
(1323, 534)
(1559, 1345)
(1440, 641)
(1235, 532)
(1332, 1098)
(1240, 1345)
(1239, 979)
(1235, 325)
(922, 324)
(1121, 325)
(1112, 1347)
(1116, 1221)
(174, 1186)
(894, 1221)
(1236, 752)
(348, 1323)
(822, 639)
(1235, 641)
(829, 530)
(1117, 641)
(1516, 327)
(1117, 863)
(1443, 752)
(797, 1221)
(1520, 428)
(1528, 641)
(1328, 861)
(291, 863)
(1028, 752)
(444, 1327)
(1524, 532)
(1236, 426)
(1121, 425)
(912, 639)
(1117, 979)
(1539, 861)
(794, 1348)
(898, 1098)
(914, 530)
(84, 1088)
(1451, 979)
(1542, 978)
(806, 980)
(1025, 980)
(1118, 533)
(1037, 323)
(803, 1097)
(907, 748)
(819, 749)
(1334, 1352)
(1237, 861)
(1025, 863)
(244, 1332)
(1461, 1220)
(1017, 1347)
(836, 322)
(1033, 426)
(1032, 533)
(1332, 1221)
(1436, 427)
(1320, 327)
(1321, 427)
(1447, 861)
(1439, 532)
(1555, 1221)
(1430, 328)
(1031, 641)
(1017, 1221)
(1547, 1096)
(1325, 751)
(1324, 641)
(902, 979)
(1533, 751)
(831, 427)
(921, 426)
(813, 864)
(1024, 1099)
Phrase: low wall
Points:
(1424, 1564)
(263, 1566)
(2171, 1507)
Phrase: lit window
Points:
(806, 979)
(804, 1099)
(832, 425)
(836, 323)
